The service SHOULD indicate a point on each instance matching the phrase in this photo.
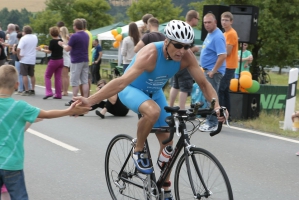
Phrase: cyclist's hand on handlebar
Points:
(221, 118)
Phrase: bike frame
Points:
(183, 142)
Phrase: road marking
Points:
(54, 141)
(265, 134)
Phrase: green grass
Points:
(267, 122)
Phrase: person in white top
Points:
(26, 53)
(64, 33)
(129, 42)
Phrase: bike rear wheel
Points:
(212, 172)
(130, 184)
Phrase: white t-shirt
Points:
(127, 50)
(27, 46)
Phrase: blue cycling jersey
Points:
(151, 82)
(148, 83)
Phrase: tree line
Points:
(14, 16)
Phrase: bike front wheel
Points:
(211, 171)
(122, 178)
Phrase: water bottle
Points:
(164, 156)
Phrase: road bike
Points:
(198, 174)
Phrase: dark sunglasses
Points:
(179, 45)
(100, 87)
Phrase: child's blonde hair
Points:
(64, 33)
(8, 76)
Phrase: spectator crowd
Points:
(75, 60)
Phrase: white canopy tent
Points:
(108, 36)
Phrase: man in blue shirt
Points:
(212, 60)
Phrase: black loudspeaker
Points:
(244, 105)
(217, 11)
(245, 22)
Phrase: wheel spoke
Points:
(124, 186)
(212, 173)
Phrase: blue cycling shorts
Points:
(133, 98)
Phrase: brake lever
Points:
(225, 117)
(222, 113)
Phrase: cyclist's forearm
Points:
(112, 88)
(210, 93)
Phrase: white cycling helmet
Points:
(179, 31)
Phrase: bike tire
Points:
(213, 174)
(117, 152)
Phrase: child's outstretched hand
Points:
(77, 108)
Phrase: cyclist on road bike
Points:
(140, 87)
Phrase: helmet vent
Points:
(182, 34)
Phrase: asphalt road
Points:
(259, 166)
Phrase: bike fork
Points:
(196, 195)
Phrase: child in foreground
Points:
(14, 118)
